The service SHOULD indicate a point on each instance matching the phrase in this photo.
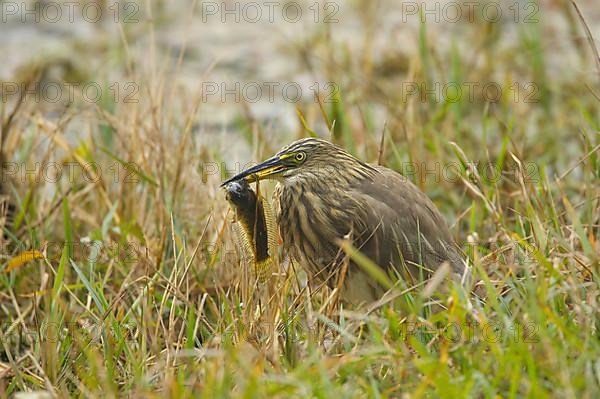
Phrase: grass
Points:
(142, 290)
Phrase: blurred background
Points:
(120, 120)
(237, 80)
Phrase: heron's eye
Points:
(300, 157)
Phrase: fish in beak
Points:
(261, 171)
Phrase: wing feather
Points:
(404, 226)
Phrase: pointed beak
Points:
(261, 171)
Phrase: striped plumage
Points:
(325, 195)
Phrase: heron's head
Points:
(308, 158)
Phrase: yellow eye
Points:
(300, 156)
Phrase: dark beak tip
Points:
(248, 174)
(231, 180)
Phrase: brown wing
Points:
(404, 228)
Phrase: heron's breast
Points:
(310, 225)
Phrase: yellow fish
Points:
(256, 227)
